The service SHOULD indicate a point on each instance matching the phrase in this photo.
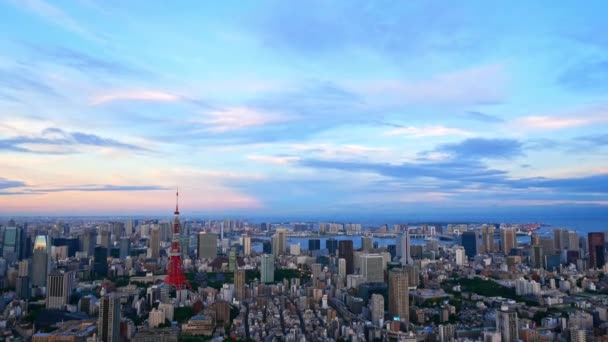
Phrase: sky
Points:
(316, 108)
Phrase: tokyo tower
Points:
(175, 277)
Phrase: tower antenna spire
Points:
(177, 200)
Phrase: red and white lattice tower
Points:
(175, 277)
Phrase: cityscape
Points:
(302, 171)
(78, 279)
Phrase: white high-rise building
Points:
(507, 324)
(247, 245)
(377, 309)
(267, 271)
(404, 248)
(460, 255)
(59, 289)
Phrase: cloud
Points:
(276, 160)
(8, 183)
(16, 80)
(387, 29)
(86, 62)
(595, 140)
(586, 76)
(236, 118)
(480, 85)
(483, 117)
(135, 95)
(579, 118)
(104, 188)
(56, 137)
(475, 148)
(429, 131)
(56, 16)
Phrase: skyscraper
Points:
(404, 247)
(40, 264)
(507, 324)
(345, 250)
(11, 243)
(469, 242)
(59, 289)
(207, 245)
(100, 261)
(125, 247)
(398, 301)
(332, 246)
(377, 309)
(372, 268)
(537, 256)
(573, 241)
(279, 242)
(108, 323)
(507, 240)
(239, 284)
(597, 257)
(366, 243)
(267, 271)
(154, 242)
(314, 244)
(246, 245)
(487, 239)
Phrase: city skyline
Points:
(343, 109)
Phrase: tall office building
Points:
(398, 300)
(104, 237)
(232, 260)
(22, 288)
(537, 256)
(460, 256)
(558, 237)
(40, 263)
(366, 243)
(372, 268)
(267, 271)
(508, 240)
(342, 267)
(100, 261)
(413, 275)
(154, 242)
(469, 242)
(246, 245)
(129, 227)
(279, 242)
(487, 239)
(59, 289)
(507, 324)
(239, 284)
(345, 250)
(125, 247)
(377, 309)
(88, 241)
(12, 243)
(597, 257)
(108, 323)
(332, 246)
(404, 249)
(573, 241)
(314, 244)
(207, 246)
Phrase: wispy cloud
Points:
(8, 183)
(135, 95)
(475, 148)
(424, 132)
(57, 16)
(483, 117)
(17, 80)
(57, 139)
(236, 118)
(579, 118)
(586, 76)
(478, 85)
(104, 188)
(85, 62)
(276, 160)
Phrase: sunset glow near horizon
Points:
(329, 107)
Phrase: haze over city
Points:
(322, 109)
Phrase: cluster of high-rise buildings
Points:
(108, 281)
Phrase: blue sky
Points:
(291, 108)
